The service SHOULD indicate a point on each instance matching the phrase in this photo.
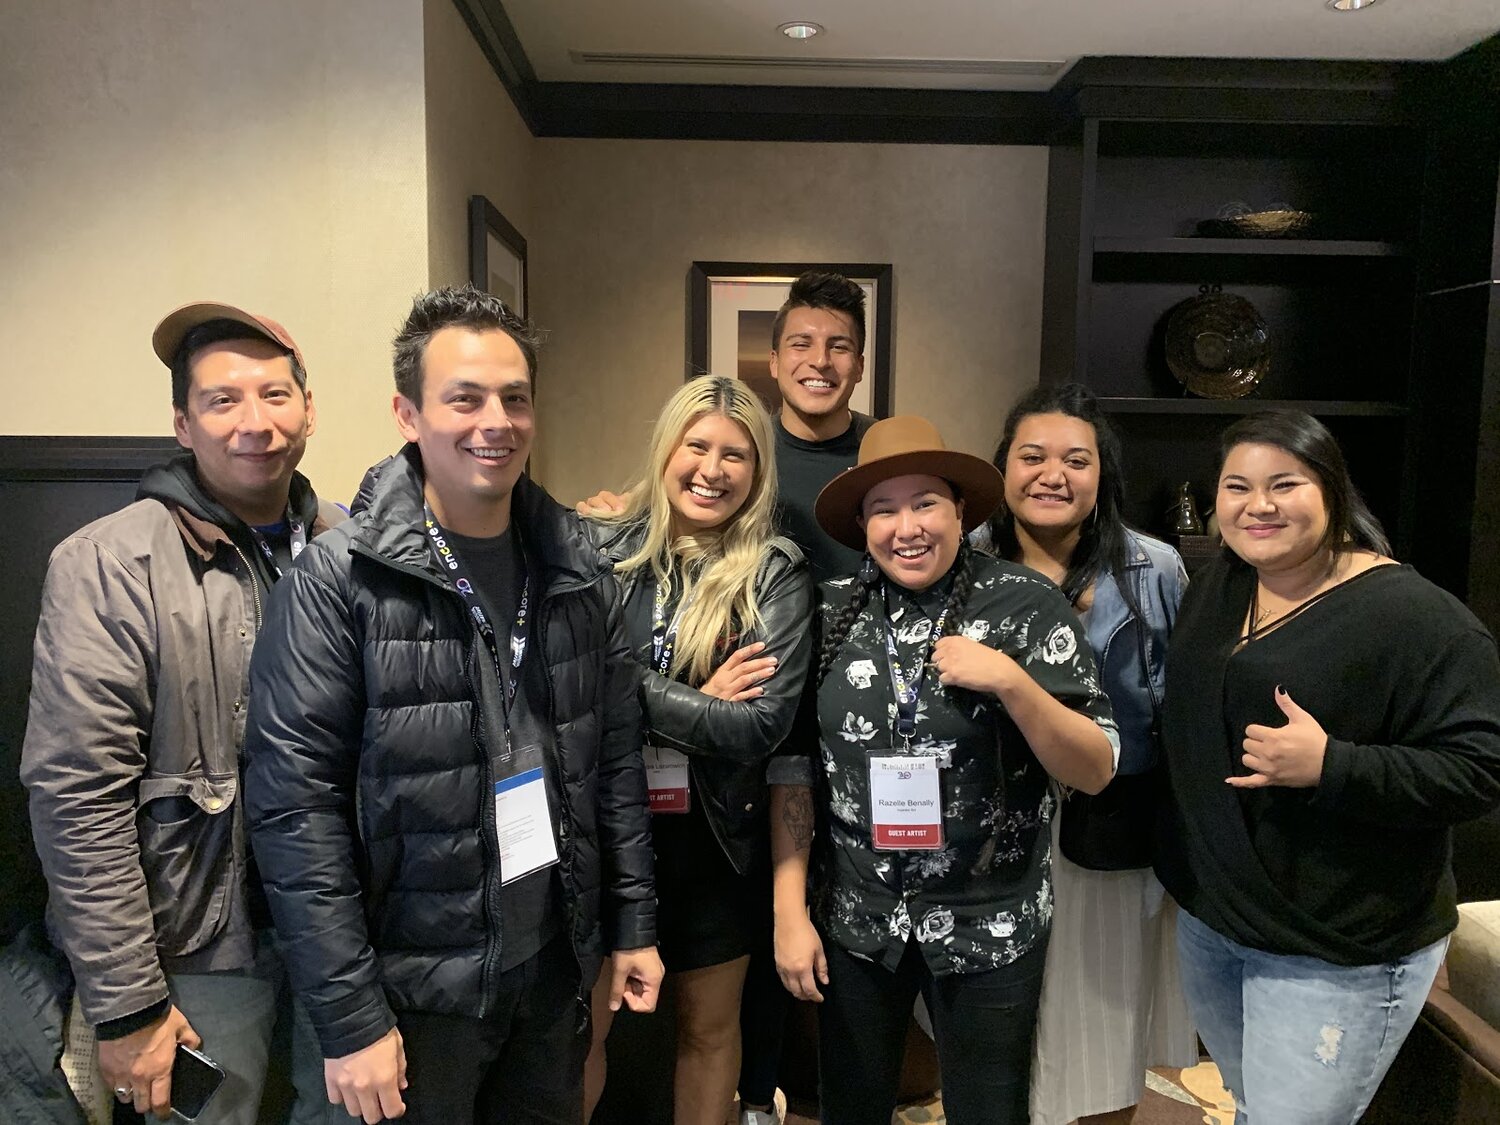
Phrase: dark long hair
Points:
(1102, 547)
(1350, 522)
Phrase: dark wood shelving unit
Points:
(1127, 190)
(1116, 404)
(1384, 321)
(1258, 247)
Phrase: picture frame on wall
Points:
(731, 307)
(497, 255)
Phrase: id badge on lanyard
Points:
(906, 802)
(668, 776)
(525, 832)
(668, 780)
(524, 827)
(906, 793)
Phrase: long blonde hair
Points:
(715, 569)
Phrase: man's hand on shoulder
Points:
(369, 1082)
(141, 1063)
(603, 503)
(637, 980)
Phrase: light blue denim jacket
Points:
(1157, 578)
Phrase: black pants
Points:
(984, 1025)
(521, 1063)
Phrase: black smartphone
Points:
(195, 1079)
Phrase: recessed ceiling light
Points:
(1350, 5)
(799, 30)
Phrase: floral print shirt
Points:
(985, 898)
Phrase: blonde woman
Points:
(716, 609)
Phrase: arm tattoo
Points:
(797, 815)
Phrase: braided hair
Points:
(865, 584)
(838, 629)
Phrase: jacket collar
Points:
(391, 527)
(204, 536)
(1135, 552)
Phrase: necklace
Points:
(1259, 617)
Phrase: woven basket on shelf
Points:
(1270, 224)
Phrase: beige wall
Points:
(270, 154)
(477, 144)
(618, 222)
(313, 160)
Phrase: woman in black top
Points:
(1329, 714)
(715, 607)
(951, 685)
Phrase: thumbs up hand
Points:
(1290, 755)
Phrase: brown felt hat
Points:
(169, 334)
(897, 447)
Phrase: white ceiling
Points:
(976, 31)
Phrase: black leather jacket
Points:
(727, 743)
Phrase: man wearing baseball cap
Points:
(138, 701)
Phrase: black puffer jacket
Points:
(35, 992)
(368, 786)
(727, 743)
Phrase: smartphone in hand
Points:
(195, 1079)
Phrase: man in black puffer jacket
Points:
(445, 785)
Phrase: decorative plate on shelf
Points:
(1217, 344)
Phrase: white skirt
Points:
(1112, 1002)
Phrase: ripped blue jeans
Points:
(1299, 1041)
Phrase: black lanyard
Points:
(449, 562)
(663, 636)
(296, 532)
(907, 688)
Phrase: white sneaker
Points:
(776, 1115)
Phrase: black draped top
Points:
(1355, 871)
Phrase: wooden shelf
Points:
(1344, 409)
(1238, 247)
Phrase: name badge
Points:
(906, 803)
(667, 782)
(523, 824)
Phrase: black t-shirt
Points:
(803, 468)
(529, 915)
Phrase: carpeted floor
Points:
(1173, 1097)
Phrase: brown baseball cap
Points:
(169, 334)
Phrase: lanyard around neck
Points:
(663, 635)
(449, 562)
(908, 687)
(296, 533)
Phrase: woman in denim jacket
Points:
(1112, 1001)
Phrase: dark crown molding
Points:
(1351, 91)
(497, 39)
(790, 113)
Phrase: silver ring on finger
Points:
(123, 1093)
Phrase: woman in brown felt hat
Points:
(950, 685)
